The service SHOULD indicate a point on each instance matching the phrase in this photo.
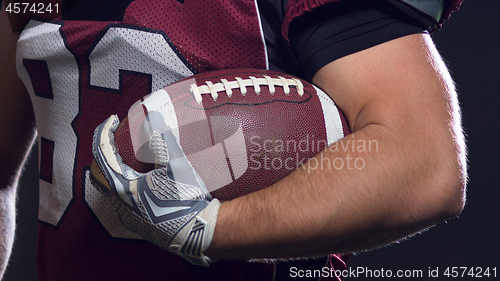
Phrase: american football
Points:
(241, 129)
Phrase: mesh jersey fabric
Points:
(80, 70)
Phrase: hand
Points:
(177, 216)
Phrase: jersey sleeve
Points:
(296, 8)
(340, 29)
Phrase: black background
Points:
(470, 44)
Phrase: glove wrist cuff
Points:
(196, 236)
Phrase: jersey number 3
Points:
(58, 78)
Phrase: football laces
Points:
(227, 86)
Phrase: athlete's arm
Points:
(16, 135)
(398, 94)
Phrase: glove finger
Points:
(175, 166)
(110, 163)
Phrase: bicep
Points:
(401, 94)
(402, 85)
(16, 113)
(383, 64)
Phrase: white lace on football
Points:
(242, 84)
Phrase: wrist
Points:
(193, 239)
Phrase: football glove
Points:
(176, 216)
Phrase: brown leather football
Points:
(241, 129)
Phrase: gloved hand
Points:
(177, 216)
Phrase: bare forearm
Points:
(325, 207)
(7, 226)
(8, 190)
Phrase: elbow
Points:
(453, 170)
(456, 189)
(445, 186)
(437, 199)
(438, 178)
(452, 199)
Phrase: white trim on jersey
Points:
(262, 35)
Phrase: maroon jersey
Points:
(81, 67)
